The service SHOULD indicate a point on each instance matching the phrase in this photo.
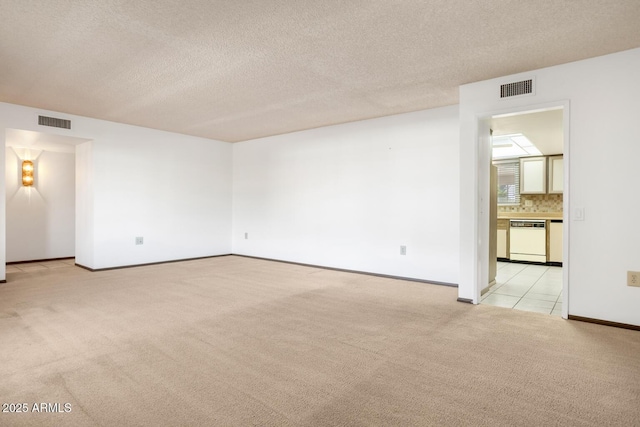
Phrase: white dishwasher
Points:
(528, 240)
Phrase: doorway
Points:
(40, 218)
(530, 149)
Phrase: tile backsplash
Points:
(539, 203)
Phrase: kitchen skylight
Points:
(511, 146)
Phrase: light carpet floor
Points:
(233, 341)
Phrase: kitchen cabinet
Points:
(555, 241)
(503, 239)
(556, 174)
(533, 175)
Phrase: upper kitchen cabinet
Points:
(556, 175)
(533, 175)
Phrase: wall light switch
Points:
(403, 250)
(139, 240)
(246, 236)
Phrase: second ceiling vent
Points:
(523, 87)
(54, 122)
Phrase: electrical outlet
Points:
(633, 278)
(246, 236)
(139, 240)
(403, 250)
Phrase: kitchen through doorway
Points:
(526, 211)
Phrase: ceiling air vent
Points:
(516, 88)
(53, 122)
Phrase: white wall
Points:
(40, 219)
(84, 204)
(603, 151)
(3, 216)
(173, 190)
(348, 196)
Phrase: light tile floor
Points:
(24, 267)
(527, 287)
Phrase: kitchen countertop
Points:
(529, 215)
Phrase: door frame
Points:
(482, 208)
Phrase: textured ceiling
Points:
(241, 69)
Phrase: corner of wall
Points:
(3, 198)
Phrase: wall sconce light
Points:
(27, 173)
